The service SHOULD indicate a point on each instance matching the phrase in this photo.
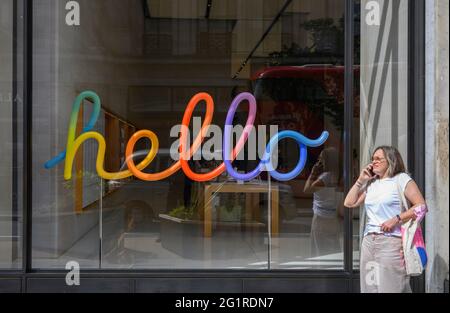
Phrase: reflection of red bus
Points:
(308, 99)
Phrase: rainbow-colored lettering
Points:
(73, 143)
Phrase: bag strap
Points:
(411, 224)
(403, 202)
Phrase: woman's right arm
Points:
(356, 196)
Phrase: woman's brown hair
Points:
(394, 160)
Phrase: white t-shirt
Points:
(326, 199)
(383, 203)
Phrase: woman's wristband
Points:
(358, 184)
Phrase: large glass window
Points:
(10, 136)
(145, 62)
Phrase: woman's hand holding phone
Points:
(366, 174)
(317, 169)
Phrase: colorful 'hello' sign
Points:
(73, 143)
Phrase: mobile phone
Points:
(373, 174)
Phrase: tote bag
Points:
(412, 240)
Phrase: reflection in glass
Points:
(323, 182)
(146, 64)
(10, 136)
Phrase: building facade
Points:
(367, 73)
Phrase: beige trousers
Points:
(382, 266)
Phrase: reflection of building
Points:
(145, 64)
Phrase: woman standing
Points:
(382, 267)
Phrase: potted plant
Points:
(230, 212)
(182, 229)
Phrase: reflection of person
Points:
(381, 248)
(323, 182)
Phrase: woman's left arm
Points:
(417, 210)
(418, 205)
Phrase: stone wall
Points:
(437, 140)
